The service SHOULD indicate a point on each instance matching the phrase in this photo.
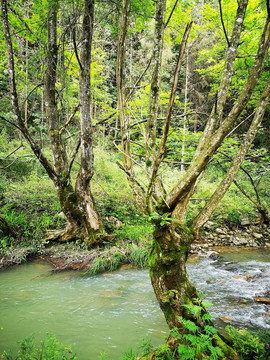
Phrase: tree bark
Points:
(92, 221)
(77, 204)
(121, 89)
(171, 283)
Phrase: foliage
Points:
(194, 341)
(247, 345)
(50, 349)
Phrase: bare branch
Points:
(19, 17)
(31, 92)
(169, 18)
(134, 161)
(139, 79)
(14, 160)
(11, 123)
(75, 48)
(161, 151)
(69, 119)
(222, 22)
(13, 152)
(73, 157)
(130, 176)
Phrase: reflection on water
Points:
(111, 312)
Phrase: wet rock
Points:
(214, 255)
(225, 319)
(239, 278)
(262, 300)
(243, 302)
(249, 277)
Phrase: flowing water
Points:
(111, 312)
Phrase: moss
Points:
(169, 297)
(228, 351)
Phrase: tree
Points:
(77, 202)
(172, 234)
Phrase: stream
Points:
(113, 311)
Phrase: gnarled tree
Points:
(76, 201)
(172, 237)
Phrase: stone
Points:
(257, 235)
(249, 277)
(115, 222)
(220, 231)
(242, 241)
(262, 300)
(61, 215)
(244, 220)
(243, 302)
(225, 319)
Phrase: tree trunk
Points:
(92, 223)
(171, 283)
(77, 204)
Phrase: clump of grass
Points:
(138, 256)
(110, 259)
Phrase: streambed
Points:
(111, 312)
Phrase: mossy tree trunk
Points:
(172, 237)
(76, 202)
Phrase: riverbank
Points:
(72, 256)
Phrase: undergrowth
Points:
(49, 349)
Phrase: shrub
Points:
(247, 345)
(50, 349)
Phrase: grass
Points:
(29, 203)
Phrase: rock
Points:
(61, 215)
(244, 220)
(242, 241)
(214, 255)
(267, 244)
(257, 235)
(249, 277)
(225, 319)
(220, 231)
(243, 302)
(115, 222)
(262, 300)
